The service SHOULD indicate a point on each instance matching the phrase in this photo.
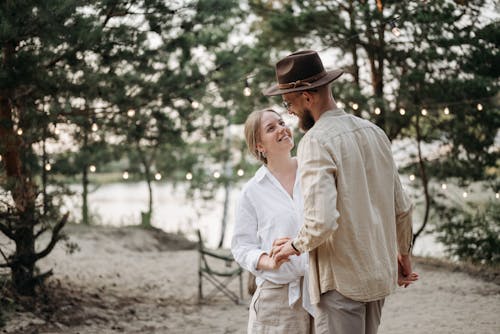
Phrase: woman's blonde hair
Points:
(252, 132)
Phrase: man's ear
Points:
(309, 97)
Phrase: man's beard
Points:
(306, 121)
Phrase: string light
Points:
(95, 127)
(125, 175)
(247, 91)
(92, 168)
(158, 176)
(402, 111)
(412, 177)
(20, 132)
(479, 107)
(48, 167)
(377, 111)
(355, 106)
(423, 112)
(497, 195)
(0, 157)
(216, 175)
(56, 131)
(131, 113)
(465, 194)
(340, 105)
(240, 172)
(189, 176)
(444, 186)
(446, 111)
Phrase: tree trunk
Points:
(85, 183)
(23, 268)
(354, 52)
(22, 192)
(425, 181)
(146, 216)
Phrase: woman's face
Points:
(275, 136)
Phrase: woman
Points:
(270, 207)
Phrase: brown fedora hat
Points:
(300, 71)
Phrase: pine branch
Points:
(55, 238)
(7, 263)
(5, 230)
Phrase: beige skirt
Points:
(270, 313)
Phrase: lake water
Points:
(120, 204)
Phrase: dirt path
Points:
(132, 281)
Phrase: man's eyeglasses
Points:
(287, 105)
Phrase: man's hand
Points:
(277, 243)
(266, 262)
(282, 249)
(405, 275)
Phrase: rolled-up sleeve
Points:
(245, 244)
(404, 223)
(317, 177)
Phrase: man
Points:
(357, 219)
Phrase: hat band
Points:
(303, 82)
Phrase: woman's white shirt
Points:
(265, 212)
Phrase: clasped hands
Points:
(280, 253)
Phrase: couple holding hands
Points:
(327, 234)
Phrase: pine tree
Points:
(405, 62)
(80, 63)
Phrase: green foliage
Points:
(471, 234)
(447, 56)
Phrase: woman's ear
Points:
(259, 147)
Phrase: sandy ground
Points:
(133, 281)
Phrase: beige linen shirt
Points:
(356, 214)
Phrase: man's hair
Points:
(252, 132)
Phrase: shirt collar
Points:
(334, 112)
(261, 172)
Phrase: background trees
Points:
(160, 85)
(88, 65)
(425, 72)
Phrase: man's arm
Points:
(317, 178)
